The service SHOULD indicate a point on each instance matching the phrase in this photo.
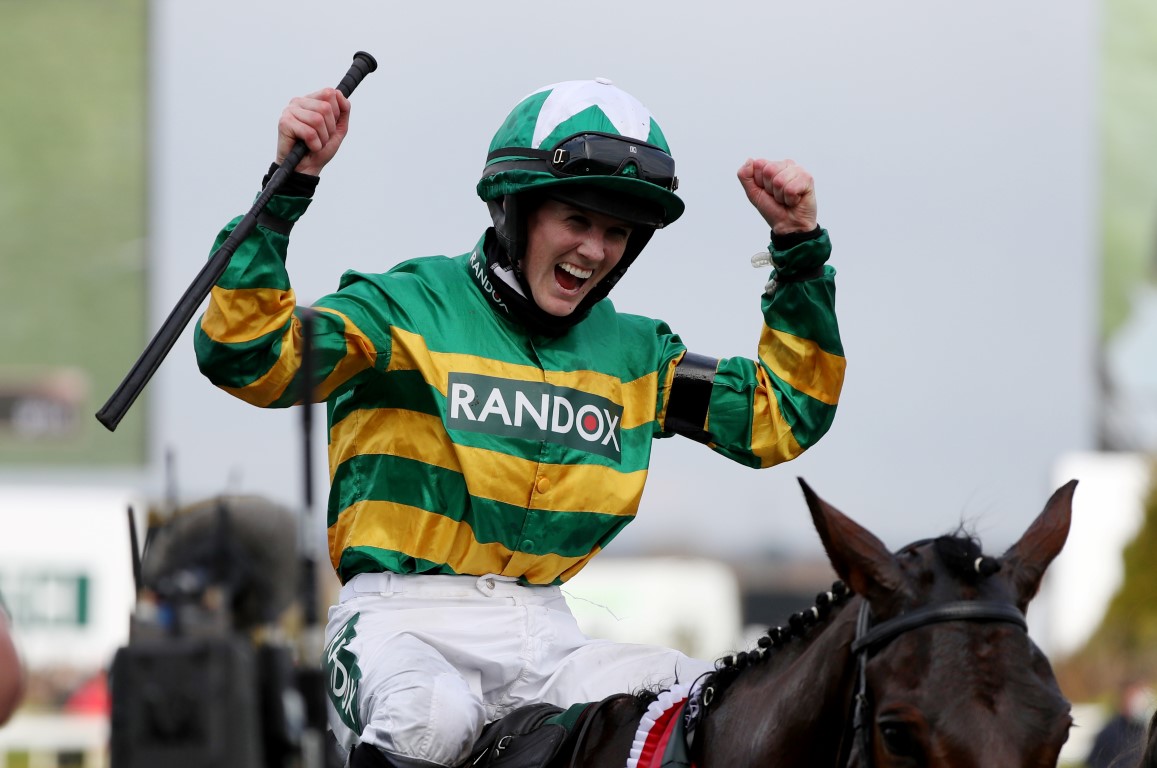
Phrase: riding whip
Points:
(146, 365)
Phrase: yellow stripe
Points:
(668, 379)
(578, 566)
(544, 569)
(489, 475)
(428, 536)
(802, 364)
(771, 437)
(267, 389)
(640, 396)
(360, 354)
(410, 353)
(244, 314)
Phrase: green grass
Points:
(1129, 146)
(72, 210)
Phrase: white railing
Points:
(43, 738)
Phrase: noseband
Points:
(871, 638)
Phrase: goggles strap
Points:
(528, 159)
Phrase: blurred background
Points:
(988, 175)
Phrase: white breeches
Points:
(418, 664)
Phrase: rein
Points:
(871, 638)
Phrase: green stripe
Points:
(657, 138)
(730, 427)
(329, 343)
(287, 207)
(369, 307)
(626, 346)
(242, 363)
(242, 272)
(381, 477)
(799, 301)
(355, 560)
(443, 492)
(249, 268)
(406, 390)
(809, 418)
(518, 129)
(590, 119)
(636, 445)
(328, 351)
(236, 365)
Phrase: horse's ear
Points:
(1025, 561)
(860, 559)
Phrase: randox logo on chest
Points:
(534, 411)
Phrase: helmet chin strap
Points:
(511, 286)
(508, 248)
(510, 228)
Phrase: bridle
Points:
(871, 638)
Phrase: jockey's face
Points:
(569, 250)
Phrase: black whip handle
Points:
(134, 382)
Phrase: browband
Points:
(964, 610)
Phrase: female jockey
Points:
(491, 414)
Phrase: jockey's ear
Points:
(860, 559)
(1024, 564)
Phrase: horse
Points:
(923, 659)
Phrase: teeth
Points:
(581, 274)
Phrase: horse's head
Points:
(949, 675)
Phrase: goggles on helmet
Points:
(602, 154)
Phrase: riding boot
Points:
(522, 739)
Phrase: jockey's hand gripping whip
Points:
(146, 365)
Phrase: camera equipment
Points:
(207, 679)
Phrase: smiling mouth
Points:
(571, 278)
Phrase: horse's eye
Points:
(900, 739)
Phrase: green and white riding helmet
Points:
(588, 143)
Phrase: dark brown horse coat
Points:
(956, 682)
